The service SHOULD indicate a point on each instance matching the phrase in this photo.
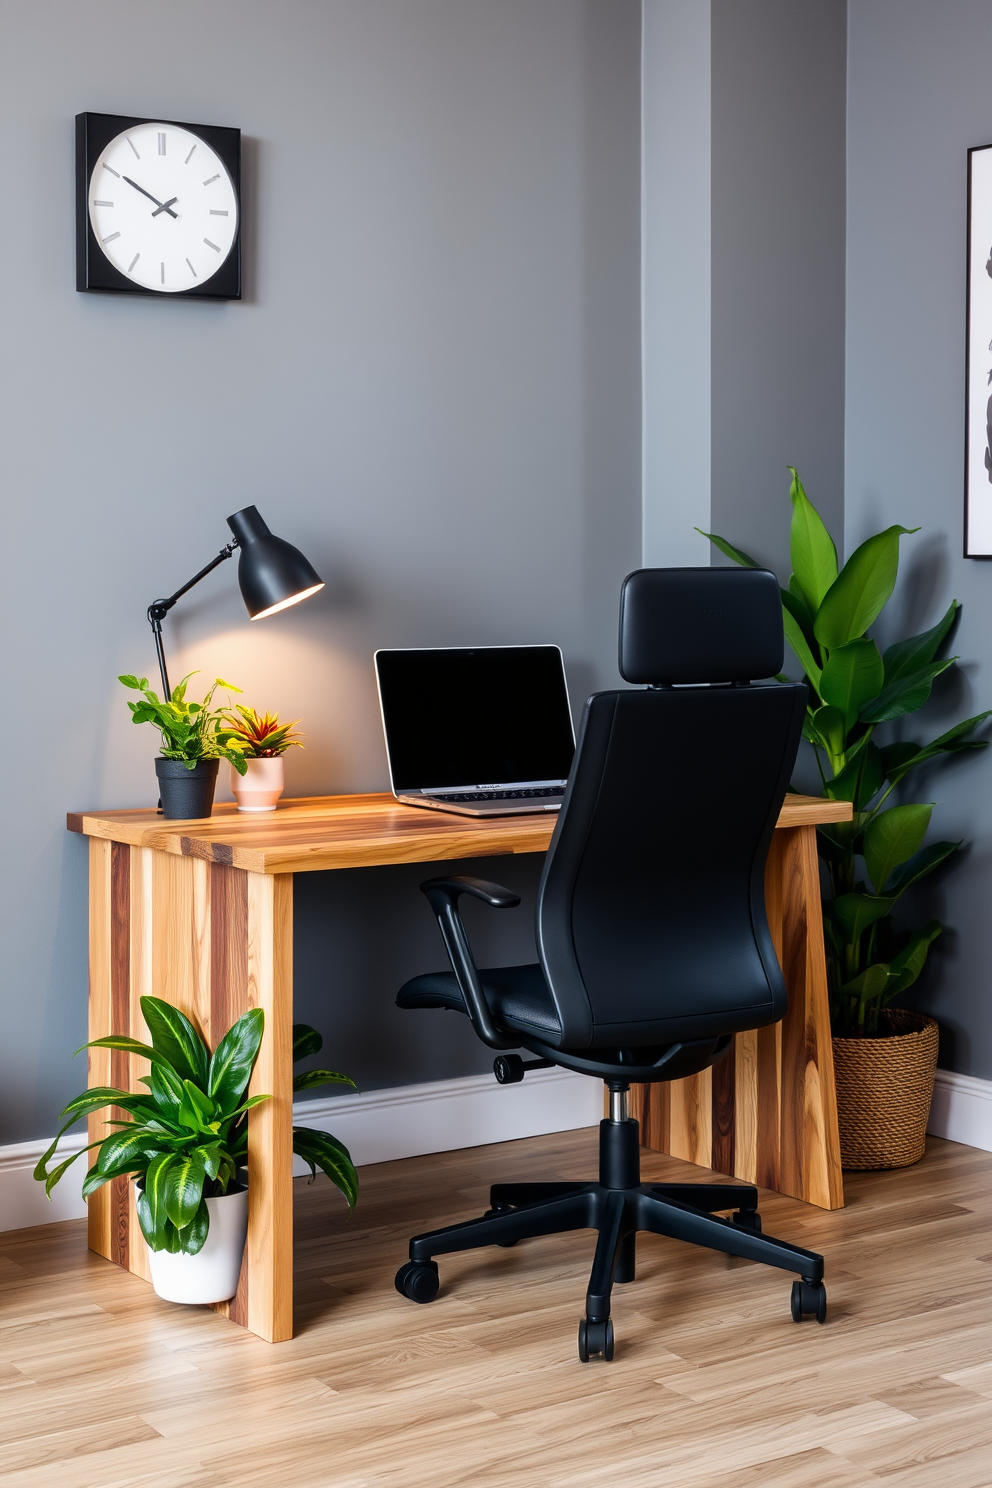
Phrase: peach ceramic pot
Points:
(261, 787)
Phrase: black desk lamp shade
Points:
(272, 574)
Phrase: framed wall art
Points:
(978, 368)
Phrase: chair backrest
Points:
(651, 921)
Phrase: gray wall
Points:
(778, 99)
(918, 97)
(432, 387)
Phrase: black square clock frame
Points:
(95, 274)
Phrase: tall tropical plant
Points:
(853, 690)
(186, 1138)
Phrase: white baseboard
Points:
(962, 1110)
(407, 1121)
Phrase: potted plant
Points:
(194, 741)
(261, 741)
(185, 1142)
(884, 1057)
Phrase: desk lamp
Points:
(272, 574)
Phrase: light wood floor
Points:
(103, 1386)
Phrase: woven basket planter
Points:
(884, 1089)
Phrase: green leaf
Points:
(198, 1111)
(852, 676)
(854, 913)
(309, 1079)
(814, 557)
(869, 984)
(175, 1038)
(320, 1150)
(910, 655)
(99, 1096)
(827, 724)
(860, 779)
(167, 1089)
(729, 551)
(234, 1059)
(910, 961)
(184, 1188)
(891, 838)
(897, 759)
(919, 865)
(306, 1040)
(132, 1142)
(193, 1236)
(130, 681)
(128, 1045)
(51, 1178)
(862, 588)
(901, 758)
(905, 694)
(155, 1194)
(797, 640)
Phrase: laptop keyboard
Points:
(499, 795)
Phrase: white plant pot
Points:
(212, 1275)
(261, 787)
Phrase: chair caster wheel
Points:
(809, 1297)
(747, 1219)
(418, 1280)
(595, 1338)
(491, 1214)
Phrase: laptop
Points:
(478, 730)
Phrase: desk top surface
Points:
(318, 832)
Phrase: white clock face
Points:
(163, 207)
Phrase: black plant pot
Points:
(186, 793)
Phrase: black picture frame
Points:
(95, 274)
(978, 358)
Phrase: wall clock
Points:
(158, 207)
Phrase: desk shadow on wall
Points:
(360, 933)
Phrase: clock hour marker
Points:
(189, 157)
(111, 170)
(163, 273)
(102, 204)
(132, 144)
(161, 144)
(211, 245)
(210, 179)
(111, 238)
(133, 262)
(214, 212)
(191, 268)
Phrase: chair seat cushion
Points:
(518, 997)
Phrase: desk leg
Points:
(214, 941)
(767, 1112)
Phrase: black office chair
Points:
(651, 930)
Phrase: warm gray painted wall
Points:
(778, 99)
(918, 97)
(432, 387)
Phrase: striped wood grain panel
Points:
(767, 1113)
(213, 941)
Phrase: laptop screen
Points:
(484, 715)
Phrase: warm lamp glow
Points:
(284, 604)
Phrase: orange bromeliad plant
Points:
(260, 735)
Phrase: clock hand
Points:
(165, 207)
(150, 197)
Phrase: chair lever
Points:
(510, 1069)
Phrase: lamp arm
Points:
(159, 608)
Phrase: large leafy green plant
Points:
(853, 690)
(191, 732)
(188, 1136)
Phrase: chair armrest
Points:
(479, 888)
(443, 895)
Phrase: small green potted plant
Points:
(194, 741)
(884, 1057)
(262, 741)
(185, 1141)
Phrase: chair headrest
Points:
(683, 625)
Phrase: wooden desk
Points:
(200, 913)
